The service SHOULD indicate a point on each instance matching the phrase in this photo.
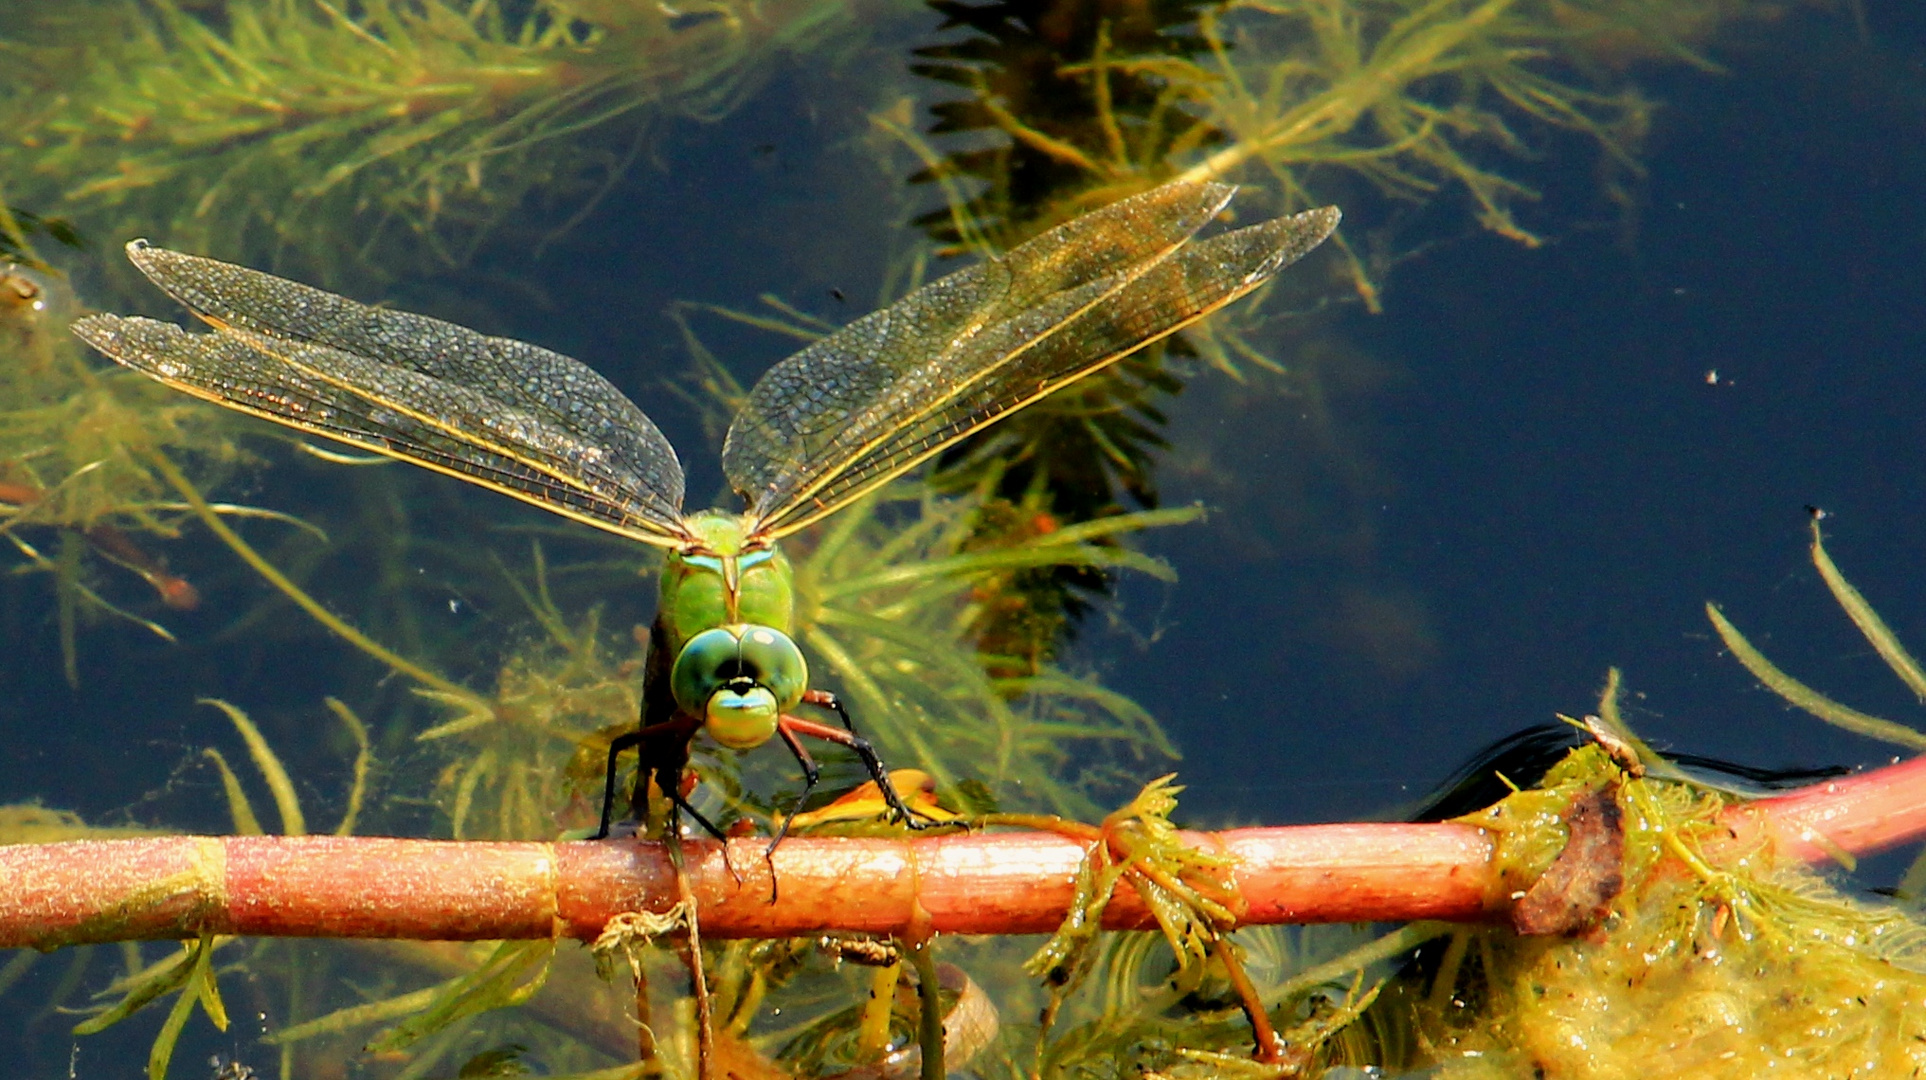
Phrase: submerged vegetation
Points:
(1406, 112)
(1711, 958)
(361, 139)
(78, 490)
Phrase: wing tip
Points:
(98, 330)
(150, 260)
(1318, 223)
(121, 337)
(1297, 236)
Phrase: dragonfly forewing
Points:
(1034, 353)
(565, 398)
(848, 396)
(388, 410)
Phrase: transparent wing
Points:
(863, 406)
(504, 414)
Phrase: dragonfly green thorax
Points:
(819, 431)
(725, 611)
(720, 577)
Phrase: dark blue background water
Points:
(1519, 474)
(1565, 487)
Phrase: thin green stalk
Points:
(172, 474)
(293, 822)
(1867, 620)
(363, 757)
(1805, 697)
(929, 1015)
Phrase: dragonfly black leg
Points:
(811, 774)
(616, 746)
(790, 726)
(681, 805)
(823, 699)
(665, 751)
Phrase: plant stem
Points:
(373, 887)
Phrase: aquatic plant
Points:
(18, 227)
(1384, 106)
(1624, 891)
(1868, 622)
(1899, 660)
(373, 138)
(1709, 953)
(1412, 98)
(76, 443)
(1718, 958)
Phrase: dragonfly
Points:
(819, 431)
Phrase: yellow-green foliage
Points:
(77, 433)
(373, 136)
(1417, 98)
(78, 449)
(1812, 984)
(1410, 94)
(32, 823)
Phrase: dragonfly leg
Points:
(823, 699)
(665, 750)
(791, 726)
(811, 774)
(618, 744)
(680, 805)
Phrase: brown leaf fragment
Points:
(1580, 885)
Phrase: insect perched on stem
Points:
(819, 431)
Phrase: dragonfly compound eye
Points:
(739, 679)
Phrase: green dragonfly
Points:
(821, 430)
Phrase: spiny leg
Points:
(823, 699)
(791, 726)
(616, 746)
(811, 774)
(680, 805)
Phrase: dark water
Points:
(1564, 487)
(1534, 465)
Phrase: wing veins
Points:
(829, 478)
(558, 399)
(1298, 234)
(302, 409)
(561, 480)
(1199, 203)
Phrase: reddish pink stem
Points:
(373, 887)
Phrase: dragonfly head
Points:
(739, 678)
